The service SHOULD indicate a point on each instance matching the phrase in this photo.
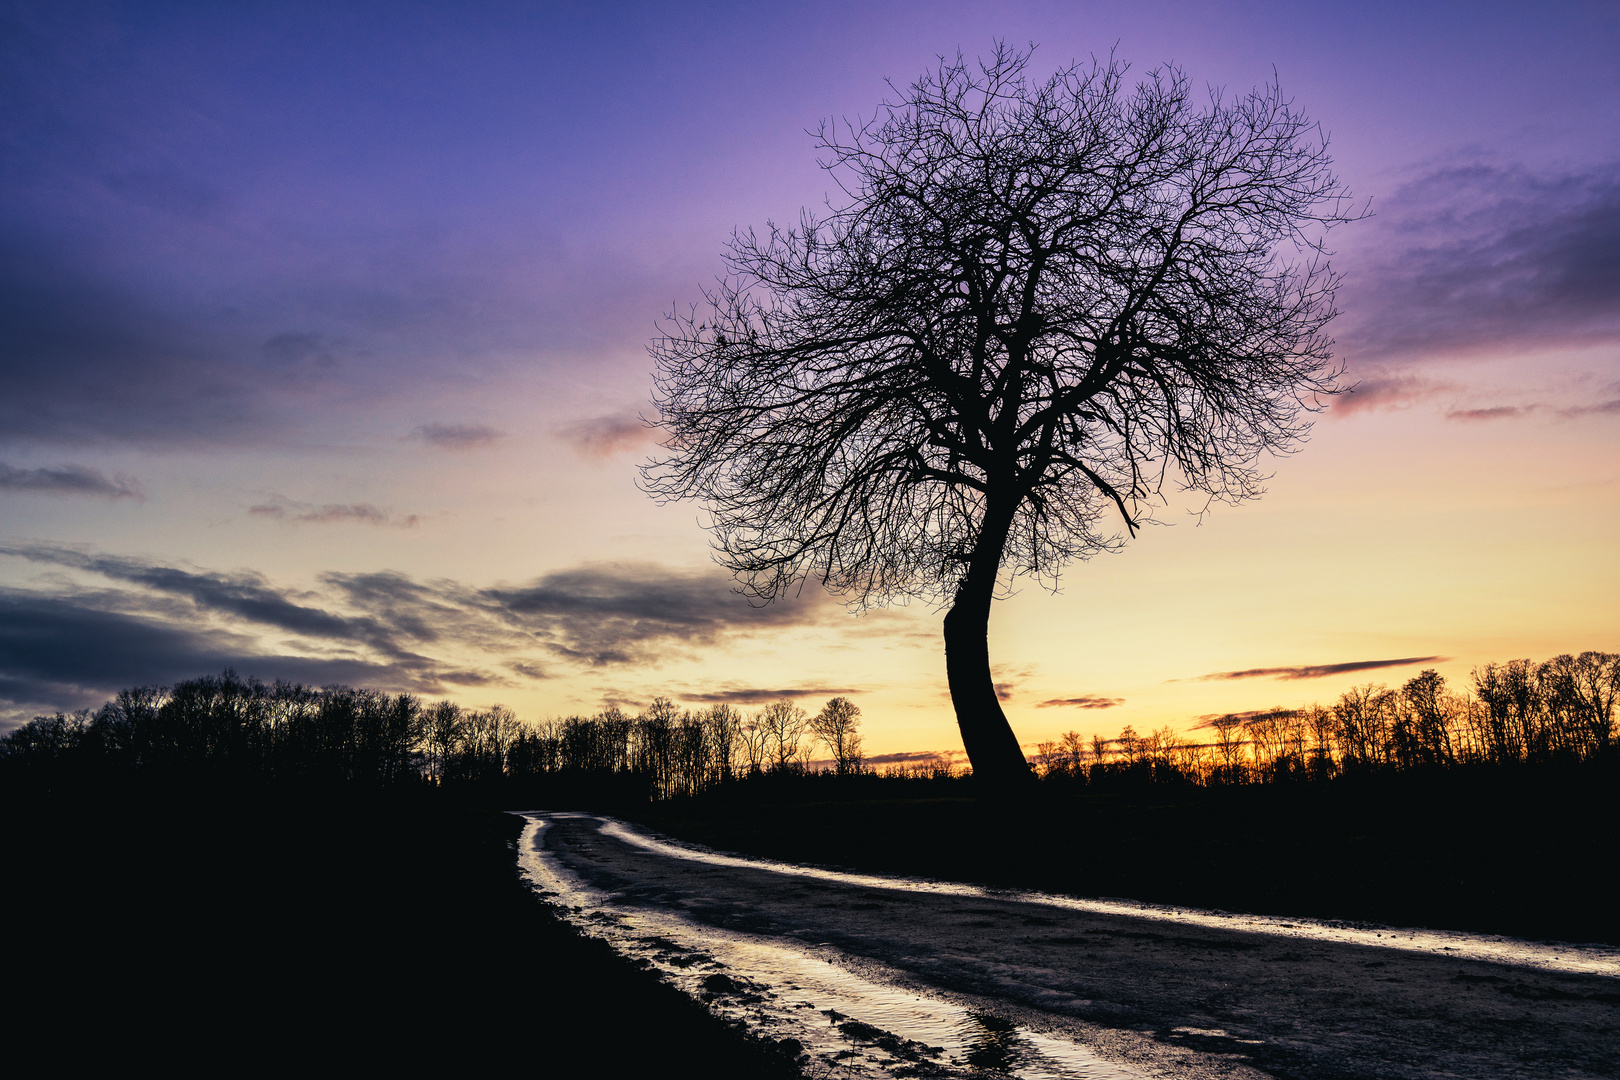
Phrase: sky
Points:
(324, 352)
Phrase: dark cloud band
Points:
(1482, 255)
(763, 697)
(391, 631)
(456, 436)
(68, 480)
(1317, 671)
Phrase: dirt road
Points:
(1156, 996)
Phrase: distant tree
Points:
(1424, 735)
(755, 743)
(1320, 729)
(835, 726)
(1037, 304)
(1595, 684)
(1130, 746)
(1362, 716)
(723, 723)
(1073, 748)
(1229, 743)
(783, 724)
(443, 729)
(655, 743)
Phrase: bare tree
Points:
(724, 726)
(755, 743)
(1036, 303)
(783, 724)
(1073, 746)
(1423, 734)
(444, 730)
(835, 726)
(1229, 743)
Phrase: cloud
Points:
(1317, 671)
(69, 480)
(88, 357)
(1083, 702)
(615, 613)
(67, 652)
(292, 348)
(748, 696)
(604, 436)
(1606, 408)
(243, 595)
(389, 629)
(1207, 720)
(283, 509)
(1499, 412)
(1479, 256)
(1387, 391)
(917, 757)
(456, 436)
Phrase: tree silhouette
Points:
(1037, 303)
(784, 725)
(835, 725)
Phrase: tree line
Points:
(1560, 710)
(229, 728)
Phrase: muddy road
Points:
(890, 977)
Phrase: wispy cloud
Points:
(456, 436)
(1317, 671)
(69, 480)
(614, 613)
(391, 629)
(1479, 255)
(66, 652)
(1207, 720)
(1385, 391)
(283, 509)
(1604, 408)
(243, 595)
(604, 436)
(1086, 701)
(918, 757)
(754, 696)
(1498, 412)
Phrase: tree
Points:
(835, 726)
(1036, 305)
(783, 725)
(1229, 741)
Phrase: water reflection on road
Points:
(849, 1025)
(1543, 955)
(886, 976)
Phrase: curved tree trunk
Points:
(991, 746)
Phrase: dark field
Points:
(1528, 853)
(359, 938)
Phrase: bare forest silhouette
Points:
(1486, 808)
(234, 729)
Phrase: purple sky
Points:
(272, 272)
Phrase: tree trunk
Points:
(991, 746)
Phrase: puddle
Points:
(1547, 956)
(850, 1026)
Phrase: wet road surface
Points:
(1017, 981)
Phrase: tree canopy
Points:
(1034, 305)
